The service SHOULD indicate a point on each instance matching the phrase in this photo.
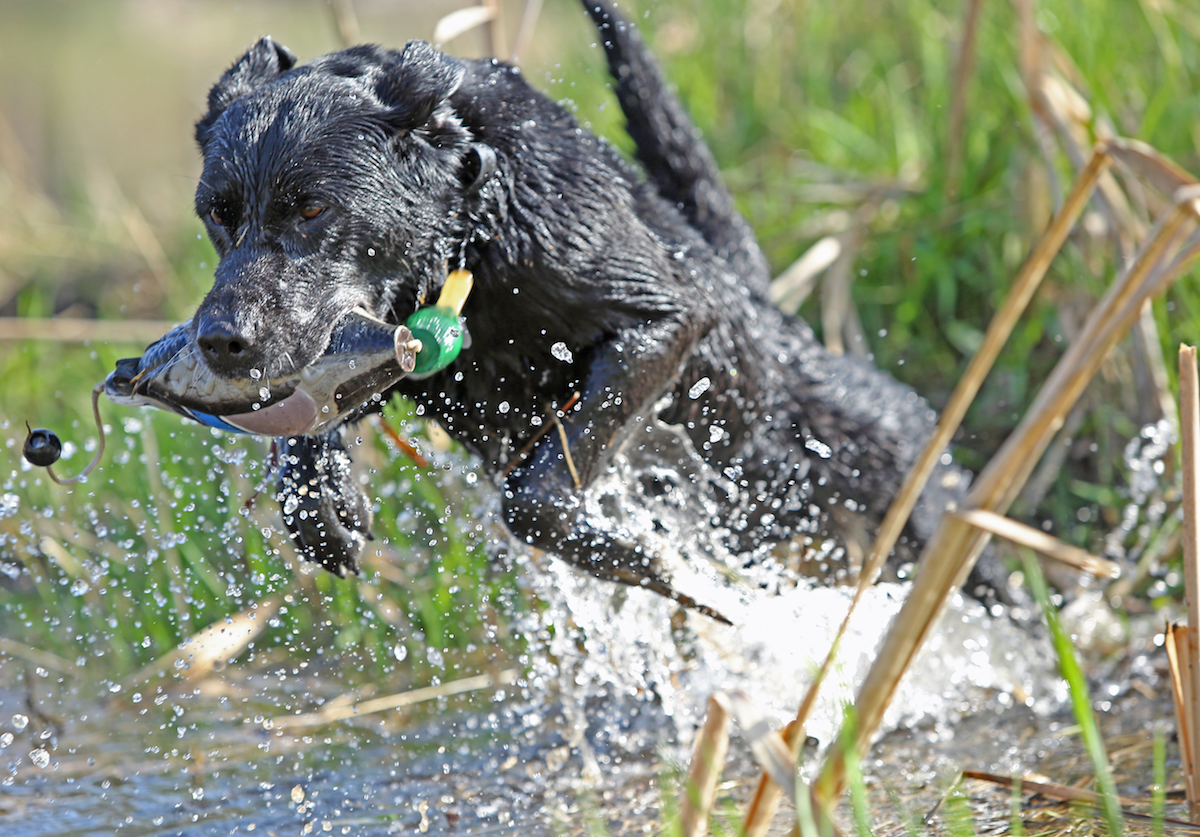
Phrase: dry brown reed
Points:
(1183, 641)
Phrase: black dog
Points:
(602, 296)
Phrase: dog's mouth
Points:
(364, 357)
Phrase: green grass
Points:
(1081, 700)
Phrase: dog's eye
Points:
(216, 218)
(310, 211)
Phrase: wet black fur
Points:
(353, 180)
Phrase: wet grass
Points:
(179, 529)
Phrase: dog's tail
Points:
(670, 147)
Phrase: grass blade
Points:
(1081, 699)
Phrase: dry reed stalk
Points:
(38, 657)
(461, 21)
(1051, 82)
(345, 21)
(529, 18)
(839, 318)
(708, 760)
(495, 29)
(1189, 432)
(1037, 540)
(792, 287)
(1053, 790)
(999, 329)
(958, 97)
(949, 556)
(341, 709)
(1062, 111)
(769, 749)
(198, 655)
(1183, 663)
(766, 799)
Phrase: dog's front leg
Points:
(326, 513)
(543, 499)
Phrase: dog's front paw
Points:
(327, 516)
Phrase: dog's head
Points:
(326, 186)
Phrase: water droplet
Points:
(230, 456)
(297, 794)
(818, 447)
(264, 393)
(10, 504)
(79, 587)
(256, 374)
(40, 757)
(197, 793)
(20, 721)
(699, 388)
(401, 651)
(561, 352)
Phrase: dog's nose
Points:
(224, 346)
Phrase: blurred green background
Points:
(828, 119)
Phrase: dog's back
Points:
(847, 428)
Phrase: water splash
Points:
(627, 646)
(1145, 457)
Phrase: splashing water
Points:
(1145, 457)
(627, 645)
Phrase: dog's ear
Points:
(263, 62)
(414, 85)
